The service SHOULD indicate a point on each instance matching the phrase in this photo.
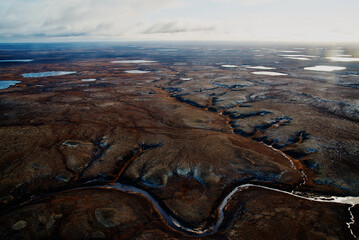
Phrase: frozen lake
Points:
(46, 74)
(343, 59)
(7, 84)
(324, 68)
(298, 58)
(89, 80)
(133, 61)
(136, 71)
(17, 60)
(259, 67)
(229, 66)
(269, 73)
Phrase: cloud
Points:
(78, 17)
(271, 20)
(177, 26)
(248, 2)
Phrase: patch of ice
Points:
(7, 84)
(46, 74)
(229, 66)
(133, 61)
(260, 67)
(89, 80)
(298, 55)
(298, 58)
(324, 68)
(269, 73)
(136, 71)
(343, 59)
(347, 200)
(17, 60)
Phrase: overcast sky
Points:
(232, 20)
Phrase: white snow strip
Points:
(269, 73)
(343, 59)
(133, 61)
(259, 67)
(229, 66)
(136, 71)
(324, 68)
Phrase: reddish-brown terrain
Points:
(187, 133)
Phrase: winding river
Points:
(176, 225)
(172, 222)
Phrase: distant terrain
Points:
(157, 140)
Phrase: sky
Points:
(213, 20)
